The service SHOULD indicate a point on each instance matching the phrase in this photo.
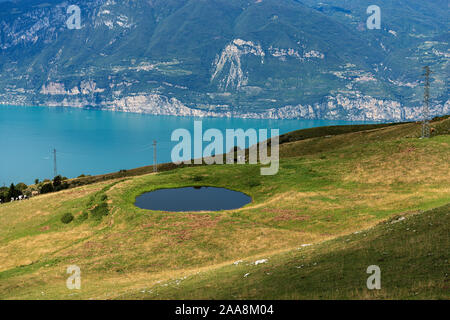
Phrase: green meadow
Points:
(345, 198)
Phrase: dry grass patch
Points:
(31, 249)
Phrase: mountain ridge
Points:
(258, 59)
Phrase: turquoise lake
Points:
(97, 142)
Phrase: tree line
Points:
(21, 190)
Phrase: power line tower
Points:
(55, 169)
(155, 165)
(426, 105)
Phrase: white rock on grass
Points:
(398, 220)
(260, 261)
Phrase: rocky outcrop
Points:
(355, 109)
(228, 66)
(163, 57)
(362, 108)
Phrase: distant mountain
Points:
(243, 58)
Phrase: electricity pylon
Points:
(155, 165)
(426, 105)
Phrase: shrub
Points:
(67, 218)
(29, 191)
(254, 183)
(83, 216)
(197, 178)
(4, 194)
(21, 187)
(13, 192)
(100, 211)
(57, 181)
(47, 188)
(62, 186)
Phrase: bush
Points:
(67, 218)
(254, 183)
(47, 188)
(21, 187)
(197, 178)
(13, 192)
(83, 216)
(4, 194)
(57, 181)
(100, 211)
(62, 186)
(29, 191)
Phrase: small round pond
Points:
(192, 199)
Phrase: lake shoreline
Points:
(95, 142)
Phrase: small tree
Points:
(13, 192)
(4, 194)
(47, 188)
(21, 187)
(57, 181)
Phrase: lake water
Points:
(192, 199)
(97, 142)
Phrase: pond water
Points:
(192, 199)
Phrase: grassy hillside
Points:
(411, 251)
(330, 185)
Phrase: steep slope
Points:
(260, 59)
(404, 26)
(411, 251)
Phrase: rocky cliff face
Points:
(258, 59)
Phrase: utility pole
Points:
(426, 104)
(155, 165)
(55, 170)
